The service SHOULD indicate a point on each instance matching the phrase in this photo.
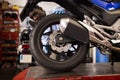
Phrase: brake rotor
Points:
(58, 47)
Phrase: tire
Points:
(42, 52)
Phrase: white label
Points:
(25, 58)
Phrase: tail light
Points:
(25, 46)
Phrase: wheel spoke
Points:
(57, 52)
(74, 47)
(51, 48)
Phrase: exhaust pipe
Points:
(104, 43)
(77, 31)
(74, 29)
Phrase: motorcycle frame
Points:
(96, 31)
(71, 6)
(98, 35)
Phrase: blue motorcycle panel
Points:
(107, 5)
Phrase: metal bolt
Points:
(60, 38)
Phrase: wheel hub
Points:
(62, 47)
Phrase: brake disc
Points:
(58, 47)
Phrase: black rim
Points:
(53, 51)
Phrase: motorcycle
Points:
(24, 50)
(60, 42)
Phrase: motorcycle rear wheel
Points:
(55, 56)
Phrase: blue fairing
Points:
(107, 5)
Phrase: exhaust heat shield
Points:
(74, 29)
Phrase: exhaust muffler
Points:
(73, 29)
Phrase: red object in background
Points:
(102, 77)
(25, 46)
(0, 52)
(22, 76)
(83, 72)
(87, 71)
(0, 5)
(9, 35)
(0, 31)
